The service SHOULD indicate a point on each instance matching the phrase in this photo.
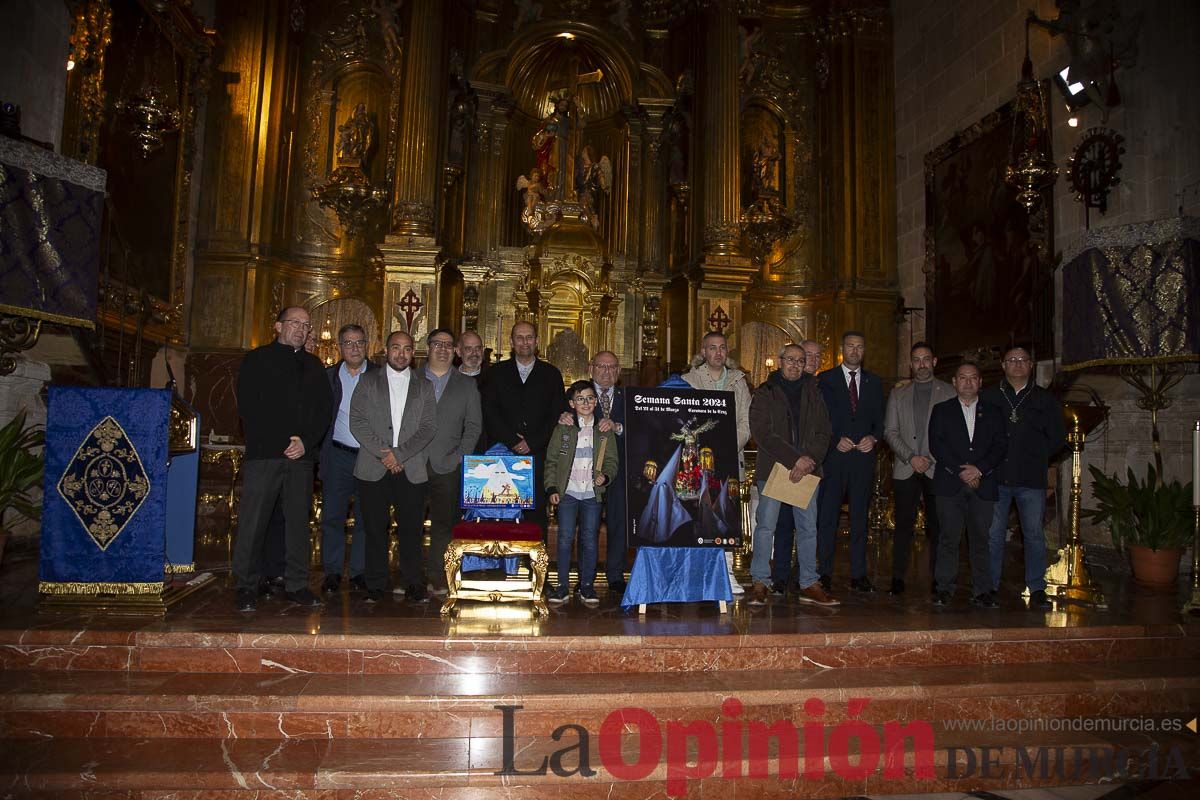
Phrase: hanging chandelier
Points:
(1030, 169)
(149, 108)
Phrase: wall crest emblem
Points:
(105, 483)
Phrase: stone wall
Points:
(33, 65)
(956, 62)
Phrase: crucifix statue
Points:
(556, 142)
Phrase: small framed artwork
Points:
(497, 482)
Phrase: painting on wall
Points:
(986, 279)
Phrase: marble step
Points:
(471, 768)
(312, 651)
(39, 704)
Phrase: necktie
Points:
(606, 402)
(853, 392)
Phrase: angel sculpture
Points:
(535, 190)
(595, 180)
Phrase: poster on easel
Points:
(682, 456)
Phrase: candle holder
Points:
(1068, 579)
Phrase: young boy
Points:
(580, 462)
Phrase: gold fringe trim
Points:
(48, 317)
(174, 569)
(76, 587)
(1122, 362)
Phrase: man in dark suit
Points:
(459, 422)
(338, 454)
(522, 398)
(968, 442)
(393, 417)
(854, 399)
(283, 399)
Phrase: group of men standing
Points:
(390, 436)
(966, 455)
(395, 436)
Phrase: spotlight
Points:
(1073, 89)
(566, 35)
(70, 64)
(1073, 121)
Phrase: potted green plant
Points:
(1151, 520)
(21, 463)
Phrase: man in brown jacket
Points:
(789, 422)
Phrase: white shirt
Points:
(524, 370)
(857, 375)
(398, 397)
(968, 412)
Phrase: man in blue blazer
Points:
(968, 442)
(854, 399)
(338, 454)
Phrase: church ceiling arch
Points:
(550, 57)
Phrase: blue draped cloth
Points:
(677, 575)
(105, 491)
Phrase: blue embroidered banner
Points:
(104, 507)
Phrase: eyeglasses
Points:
(1016, 360)
(441, 344)
(354, 344)
(587, 399)
(793, 360)
(605, 367)
(299, 323)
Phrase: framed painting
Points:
(497, 482)
(987, 283)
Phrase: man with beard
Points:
(470, 353)
(791, 427)
(906, 428)
(393, 417)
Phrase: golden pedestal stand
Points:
(1068, 579)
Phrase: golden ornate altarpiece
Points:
(626, 175)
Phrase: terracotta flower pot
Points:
(1155, 569)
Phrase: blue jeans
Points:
(337, 490)
(587, 512)
(806, 540)
(1031, 509)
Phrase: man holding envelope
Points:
(790, 424)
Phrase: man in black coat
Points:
(967, 442)
(285, 404)
(1036, 430)
(854, 398)
(522, 398)
(338, 454)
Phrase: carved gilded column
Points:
(727, 271)
(486, 178)
(421, 110)
(653, 192)
(722, 190)
(858, 237)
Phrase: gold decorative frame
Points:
(496, 591)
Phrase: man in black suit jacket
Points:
(522, 398)
(968, 442)
(338, 454)
(854, 399)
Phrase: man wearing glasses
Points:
(459, 423)
(337, 465)
(285, 404)
(1036, 431)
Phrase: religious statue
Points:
(765, 178)
(551, 140)
(535, 190)
(689, 477)
(356, 136)
(593, 182)
(388, 12)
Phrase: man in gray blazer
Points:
(906, 428)
(459, 423)
(392, 415)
